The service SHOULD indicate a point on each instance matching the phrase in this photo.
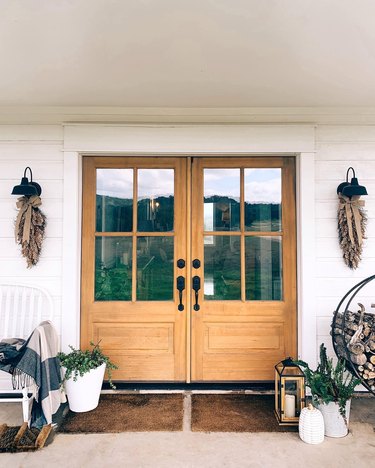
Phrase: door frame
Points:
(191, 140)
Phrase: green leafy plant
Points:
(78, 362)
(330, 382)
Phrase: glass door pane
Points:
(154, 268)
(114, 200)
(155, 200)
(263, 199)
(221, 199)
(113, 268)
(263, 268)
(222, 268)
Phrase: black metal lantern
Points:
(290, 392)
(27, 188)
(348, 189)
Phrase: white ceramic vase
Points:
(83, 394)
(334, 423)
(311, 425)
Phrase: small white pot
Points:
(334, 423)
(83, 394)
(311, 425)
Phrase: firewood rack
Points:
(353, 336)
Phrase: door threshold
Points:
(165, 387)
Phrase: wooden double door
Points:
(189, 266)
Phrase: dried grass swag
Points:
(352, 221)
(30, 228)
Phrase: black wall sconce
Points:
(27, 188)
(348, 189)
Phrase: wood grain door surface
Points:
(244, 233)
(232, 222)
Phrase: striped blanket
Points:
(34, 363)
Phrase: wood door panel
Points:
(135, 338)
(249, 367)
(229, 337)
(144, 367)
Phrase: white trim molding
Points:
(191, 140)
(71, 275)
(306, 294)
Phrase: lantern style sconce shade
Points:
(27, 188)
(290, 393)
(351, 188)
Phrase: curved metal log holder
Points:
(353, 337)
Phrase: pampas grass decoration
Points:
(349, 238)
(30, 238)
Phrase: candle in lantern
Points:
(290, 406)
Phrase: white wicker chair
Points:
(22, 308)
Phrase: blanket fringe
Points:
(21, 380)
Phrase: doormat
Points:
(22, 438)
(128, 413)
(235, 413)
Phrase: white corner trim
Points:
(71, 279)
(306, 255)
(193, 140)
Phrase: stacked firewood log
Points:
(354, 337)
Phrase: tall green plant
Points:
(330, 382)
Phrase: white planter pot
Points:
(334, 423)
(83, 394)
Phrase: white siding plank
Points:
(327, 305)
(31, 133)
(345, 133)
(329, 268)
(41, 170)
(345, 152)
(16, 267)
(335, 171)
(52, 284)
(26, 152)
(51, 249)
(53, 229)
(337, 287)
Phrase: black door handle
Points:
(180, 287)
(196, 287)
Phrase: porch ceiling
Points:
(187, 53)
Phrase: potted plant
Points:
(332, 388)
(83, 373)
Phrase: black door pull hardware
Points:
(180, 263)
(196, 263)
(180, 287)
(196, 287)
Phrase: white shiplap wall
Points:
(39, 147)
(339, 147)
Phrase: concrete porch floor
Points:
(191, 449)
